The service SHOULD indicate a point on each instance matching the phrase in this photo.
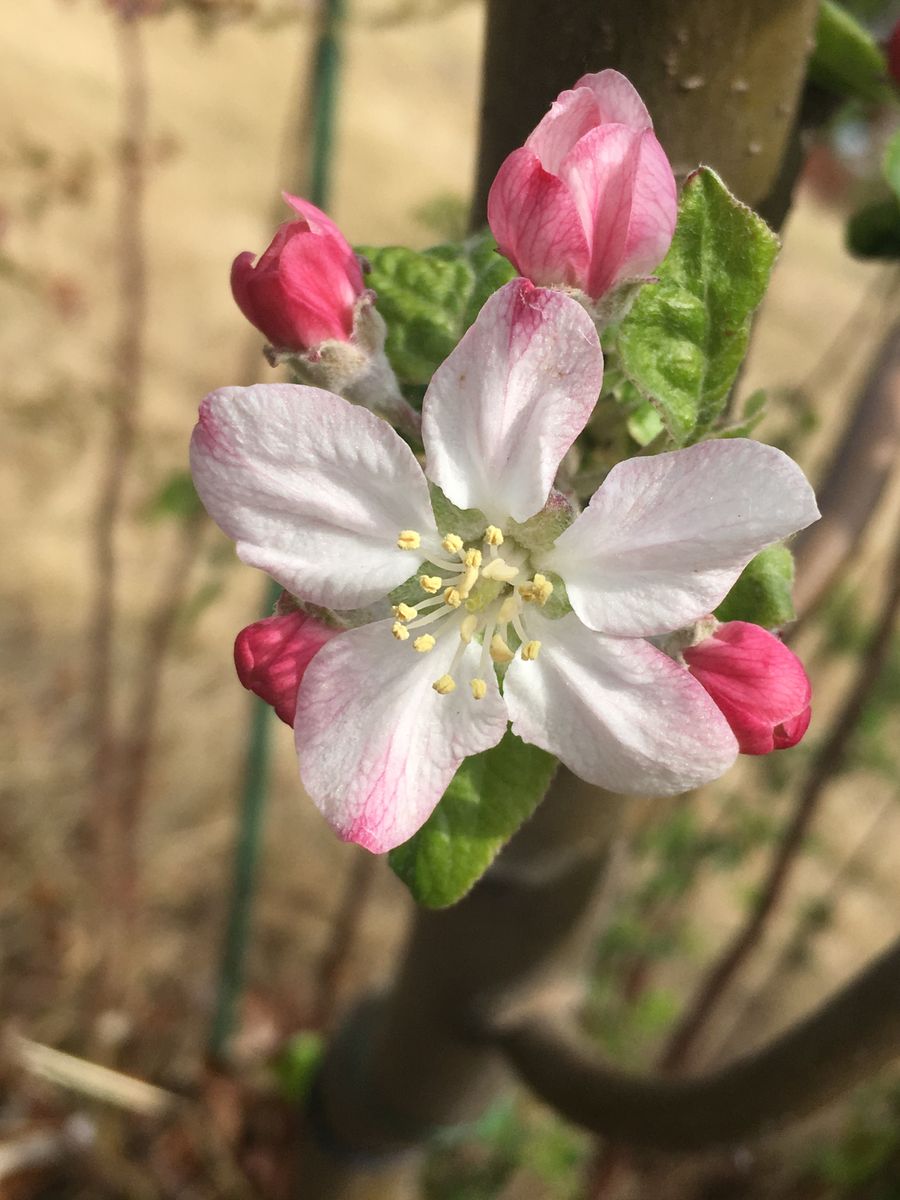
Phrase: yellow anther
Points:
(409, 539)
(469, 581)
(467, 628)
(499, 569)
(452, 597)
(500, 652)
(472, 558)
(405, 612)
(493, 536)
(537, 590)
(508, 609)
(430, 584)
(452, 543)
(400, 632)
(445, 685)
(424, 643)
(531, 650)
(479, 688)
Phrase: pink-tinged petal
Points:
(600, 174)
(617, 100)
(241, 274)
(316, 220)
(313, 490)
(617, 711)
(377, 745)
(665, 537)
(789, 733)
(507, 404)
(535, 222)
(654, 211)
(318, 286)
(758, 683)
(572, 114)
(304, 288)
(271, 657)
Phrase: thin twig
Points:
(855, 481)
(90, 1079)
(107, 830)
(802, 934)
(825, 766)
(138, 737)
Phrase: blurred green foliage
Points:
(514, 1138)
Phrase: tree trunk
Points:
(722, 80)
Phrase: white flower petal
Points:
(507, 404)
(377, 745)
(617, 711)
(665, 537)
(313, 489)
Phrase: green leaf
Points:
(490, 796)
(176, 498)
(686, 336)
(297, 1063)
(874, 231)
(429, 298)
(890, 164)
(847, 60)
(645, 423)
(762, 594)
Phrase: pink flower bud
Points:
(590, 200)
(304, 288)
(893, 54)
(758, 683)
(272, 655)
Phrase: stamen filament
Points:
(432, 616)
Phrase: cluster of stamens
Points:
(477, 595)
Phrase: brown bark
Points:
(420, 1059)
(843, 1042)
(722, 80)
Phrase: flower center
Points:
(482, 594)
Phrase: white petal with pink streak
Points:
(665, 537)
(377, 745)
(313, 490)
(617, 99)
(617, 711)
(507, 404)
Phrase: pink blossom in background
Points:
(893, 54)
(271, 657)
(590, 200)
(304, 288)
(328, 500)
(757, 682)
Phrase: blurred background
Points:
(138, 155)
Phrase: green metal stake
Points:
(324, 92)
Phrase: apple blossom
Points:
(590, 200)
(758, 683)
(272, 655)
(304, 288)
(330, 502)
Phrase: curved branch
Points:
(844, 1041)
